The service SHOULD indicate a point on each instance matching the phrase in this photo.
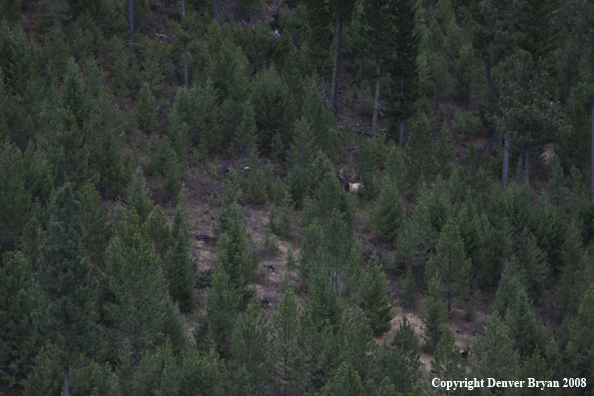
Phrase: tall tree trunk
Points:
(376, 103)
(499, 114)
(519, 170)
(131, 18)
(401, 137)
(335, 69)
(66, 380)
(505, 164)
(527, 166)
(186, 75)
(217, 11)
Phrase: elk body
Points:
(346, 183)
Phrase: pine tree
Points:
(137, 196)
(250, 352)
(446, 361)
(19, 298)
(238, 259)
(94, 219)
(378, 27)
(434, 315)
(375, 305)
(403, 92)
(509, 284)
(388, 212)
(286, 324)
(65, 278)
(73, 94)
(222, 309)
(140, 308)
(179, 268)
(346, 382)
(525, 330)
(416, 239)
(15, 200)
(275, 109)
(146, 110)
(450, 263)
(398, 362)
(419, 150)
(494, 351)
(536, 366)
(581, 341)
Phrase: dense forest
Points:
(296, 197)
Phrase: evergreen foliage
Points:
(450, 263)
(434, 315)
(20, 297)
(388, 212)
(179, 268)
(146, 113)
(67, 317)
(375, 305)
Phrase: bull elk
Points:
(348, 186)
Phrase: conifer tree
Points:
(222, 308)
(15, 200)
(286, 324)
(73, 94)
(146, 110)
(375, 305)
(446, 361)
(346, 382)
(275, 110)
(19, 298)
(434, 315)
(342, 10)
(250, 351)
(238, 259)
(65, 278)
(398, 362)
(419, 151)
(388, 212)
(525, 330)
(581, 341)
(403, 92)
(450, 263)
(94, 219)
(179, 268)
(509, 284)
(536, 366)
(416, 239)
(140, 309)
(494, 351)
(378, 28)
(300, 153)
(137, 196)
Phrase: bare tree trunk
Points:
(335, 69)
(66, 380)
(499, 114)
(505, 164)
(131, 18)
(401, 137)
(376, 104)
(527, 166)
(217, 11)
(186, 75)
(519, 170)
